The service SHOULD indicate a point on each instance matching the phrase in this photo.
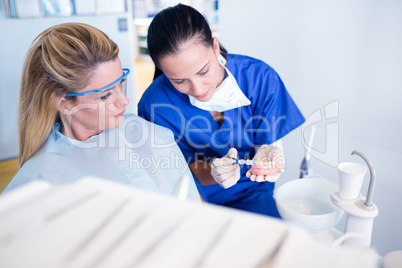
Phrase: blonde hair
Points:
(60, 61)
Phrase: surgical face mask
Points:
(227, 95)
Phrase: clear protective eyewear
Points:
(125, 73)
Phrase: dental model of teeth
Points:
(264, 168)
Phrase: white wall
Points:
(16, 38)
(348, 53)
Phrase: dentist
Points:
(219, 106)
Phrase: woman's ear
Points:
(216, 47)
(63, 106)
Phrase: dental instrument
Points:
(305, 165)
(259, 167)
(248, 162)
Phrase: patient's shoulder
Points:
(136, 125)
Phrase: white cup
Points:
(351, 176)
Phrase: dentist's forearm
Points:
(202, 172)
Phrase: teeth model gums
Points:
(264, 168)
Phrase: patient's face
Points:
(95, 112)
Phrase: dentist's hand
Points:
(223, 171)
(270, 153)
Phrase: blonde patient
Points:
(72, 119)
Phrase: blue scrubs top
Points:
(270, 116)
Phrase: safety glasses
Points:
(125, 73)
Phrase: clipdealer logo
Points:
(329, 116)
